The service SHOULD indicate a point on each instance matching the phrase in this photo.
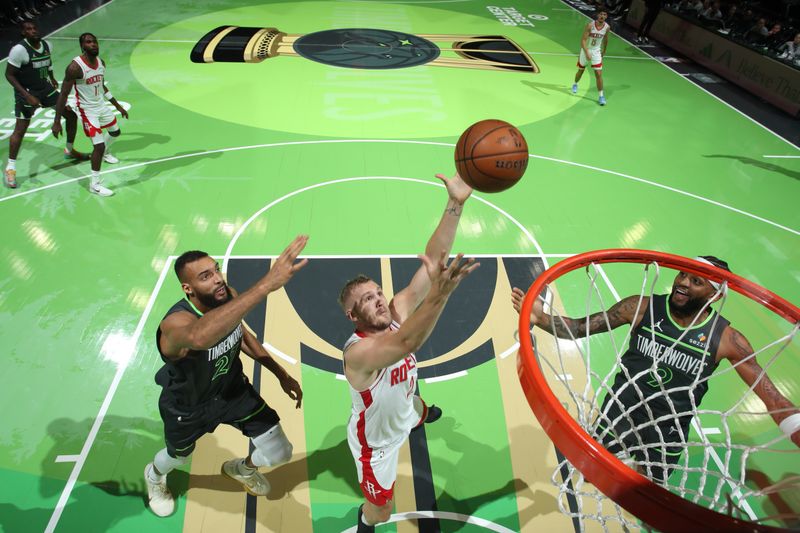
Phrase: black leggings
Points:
(649, 18)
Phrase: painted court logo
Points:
(363, 48)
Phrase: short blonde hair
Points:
(349, 286)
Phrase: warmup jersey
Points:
(595, 39)
(384, 413)
(35, 73)
(680, 365)
(89, 89)
(202, 374)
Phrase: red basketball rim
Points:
(644, 499)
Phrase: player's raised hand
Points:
(538, 307)
(284, 266)
(445, 278)
(457, 189)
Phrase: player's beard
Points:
(687, 310)
(210, 301)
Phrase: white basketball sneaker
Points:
(110, 159)
(255, 483)
(96, 187)
(159, 497)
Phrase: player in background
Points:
(86, 73)
(593, 47)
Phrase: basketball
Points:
(491, 155)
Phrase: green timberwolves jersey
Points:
(34, 75)
(681, 367)
(202, 374)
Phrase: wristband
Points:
(108, 96)
(790, 424)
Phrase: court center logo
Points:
(305, 322)
(363, 48)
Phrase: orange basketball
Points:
(491, 155)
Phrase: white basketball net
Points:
(719, 467)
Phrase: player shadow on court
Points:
(113, 468)
(764, 165)
(158, 169)
(559, 88)
(471, 457)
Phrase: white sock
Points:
(69, 147)
(153, 477)
(243, 469)
(165, 463)
(601, 93)
(95, 177)
(12, 164)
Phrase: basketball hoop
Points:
(653, 504)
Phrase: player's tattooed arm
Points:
(622, 312)
(454, 209)
(737, 349)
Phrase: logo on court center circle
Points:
(366, 48)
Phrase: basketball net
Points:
(734, 460)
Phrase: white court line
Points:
(446, 377)
(508, 352)
(273, 350)
(782, 156)
(443, 515)
(67, 458)
(751, 119)
(286, 196)
(112, 389)
(564, 54)
(340, 377)
(564, 377)
(403, 141)
(711, 431)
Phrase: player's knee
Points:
(384, 512)
(271, 447)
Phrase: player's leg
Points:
(581, 67)
(111, 131)
(255, 419)
(377, 472)
(427, 414)
(23, 111)
(181, 431)
(71, 122)
(92, 130)
(597, 66)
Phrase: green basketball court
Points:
(237, 159)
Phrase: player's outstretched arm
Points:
(407, 300)
(373, 353)
(622, 312)
(72, 73)
(256, 351)
(737, 349)
(180, 332)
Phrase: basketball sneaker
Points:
(574, 88)
(601, 100)
(110, 159)
(159, 497)
(255, 483)
(96, 187)
(76, 155)
(10, 178)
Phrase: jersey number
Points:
(223, 365)
(660, 376)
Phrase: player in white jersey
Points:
(593, 48)
(379, 360)
(86, 73)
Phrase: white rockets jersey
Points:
(384, 413)
(595, 39)
(89, 89)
